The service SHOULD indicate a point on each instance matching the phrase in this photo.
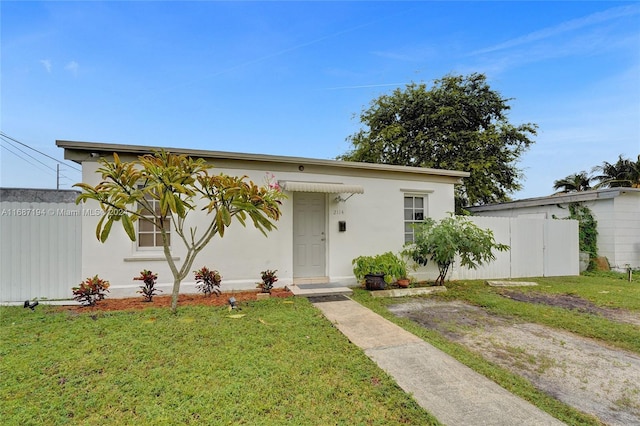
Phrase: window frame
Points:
(415, 212)
(155, 232)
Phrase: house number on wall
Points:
(337, 212)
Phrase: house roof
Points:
(91, 151)
(561, 198)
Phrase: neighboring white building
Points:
(336, 211)
(617, 211)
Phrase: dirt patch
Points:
(569, 301)
(581, 372)
(137, 303)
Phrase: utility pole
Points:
(57, 177)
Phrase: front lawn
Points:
(283, 362)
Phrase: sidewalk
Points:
(447, 389)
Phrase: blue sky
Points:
(290, 78)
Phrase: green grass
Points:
(282, 363)
(603, 289)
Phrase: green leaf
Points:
(107, 228)
(226, 216)
(128, 227)
(99, 228)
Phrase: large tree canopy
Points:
(459, 123)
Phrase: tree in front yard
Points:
(161, 189)
(455, 235)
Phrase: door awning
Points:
(331, 188)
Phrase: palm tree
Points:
(624, 173)
(574, 183)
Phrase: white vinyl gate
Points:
(40, 245)
(539, 248)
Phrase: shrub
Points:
(268, 278)
(453, 236)
(90, 291)
(208, 281)
(387, 264)
(148, 290)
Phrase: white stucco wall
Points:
(375, 224)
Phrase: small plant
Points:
(387, 264)
(148, 290)
(208, 281)
(268, 278)
(90, 291)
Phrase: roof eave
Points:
(574, 197)
(72, 147)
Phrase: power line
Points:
(29, 155)
(4, 135)
(24, 159)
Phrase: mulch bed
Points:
(164, 301)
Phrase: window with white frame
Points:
(415, 210)
(149, 235)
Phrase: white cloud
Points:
(72, 67)
(572, 25)
(46, 63)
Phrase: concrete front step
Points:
(314, 290)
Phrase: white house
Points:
(335, 211)
(617, 211)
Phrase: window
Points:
(149, 236)
(415, 210)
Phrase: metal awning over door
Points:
(331, 188)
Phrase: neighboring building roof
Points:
(560, 198)
(38, 195)
(83, 151)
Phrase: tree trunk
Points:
(443, 269)
(174, 295)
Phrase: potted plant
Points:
(379, 270)
(403, 282)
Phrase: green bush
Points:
(455, 235)
(388, 264)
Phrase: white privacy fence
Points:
(40, 244)
(539, 247)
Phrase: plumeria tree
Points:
(164, 188)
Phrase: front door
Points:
(309, 239)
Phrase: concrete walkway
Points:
(447, 389)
